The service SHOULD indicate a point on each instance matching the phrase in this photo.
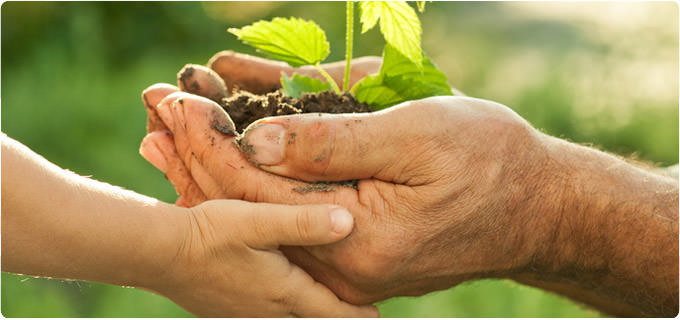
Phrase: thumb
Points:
(307, 225)
(333, 147)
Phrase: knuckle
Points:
(285, 298)
(172, 98)
(317, 146)
(256, 227)
(304, 224)
(284, 293)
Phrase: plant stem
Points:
(349, 38)
(328, 78)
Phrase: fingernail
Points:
(153, 154)
(341, 220)
(266, 143)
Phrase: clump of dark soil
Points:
(245, 108)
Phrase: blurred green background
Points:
(72, 73)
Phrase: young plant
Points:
(405, 73)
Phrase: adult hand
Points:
(240, 71)
(419, 228)
(450, 189)
(236, 72)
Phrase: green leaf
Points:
(295, 41)
(399, 25)
(421, 6)
(400, 80)
(298, 85)
(370, 13)
(372, 91)
(396, 64)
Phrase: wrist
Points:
(556, 186)
(586, 197)
(605, 221)
(158, 257)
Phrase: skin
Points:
(476, 193)
(217, 259)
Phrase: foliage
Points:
(92, 122)
(295, 41)
(399, 80)
(421, 6)
(405, 73)
(399, 25)
(298, 85)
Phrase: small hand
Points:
(228, 262)
(217, 259)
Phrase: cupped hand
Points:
(236, 71)
(430, 199)
(228, 263)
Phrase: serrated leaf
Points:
(399, 25)
(298, 85)
(400, 80)
(396, 64)
(295, 41)
(372, 91)
(369, 15)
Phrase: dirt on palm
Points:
(245, 108)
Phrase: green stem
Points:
(349, 37)
(328, 78)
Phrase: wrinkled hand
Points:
(228, 262)
(237, 71)
(429, 204)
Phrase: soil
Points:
(245, 108)
(327, 186)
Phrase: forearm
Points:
(615, 238)
(58, 224)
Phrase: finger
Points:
(317, 301)
(259, 75)
(171, 110)
(151, 97)
(273, 225)
(204, 139)
(246, 72)
(322, 269)
(183, 202)
(323, 147)
(159, 149)
(360, 68)
(202, 81)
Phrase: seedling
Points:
(405, 74)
